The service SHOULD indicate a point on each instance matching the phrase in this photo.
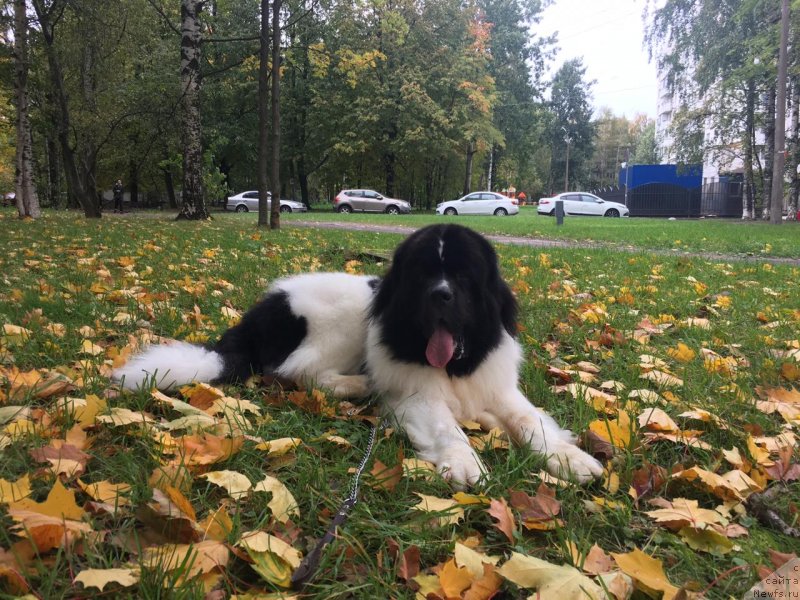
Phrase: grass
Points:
(174, 279)
(725, 236)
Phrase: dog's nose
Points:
(442, 294)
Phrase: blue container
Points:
(685, 176)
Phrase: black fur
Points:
(267, 334)
(479, 305)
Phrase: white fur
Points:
(169, 366)
(335, 307)
(428, 405)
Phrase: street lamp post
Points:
(568, 140)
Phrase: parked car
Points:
(583, 203)
(9, 199)
(348, 201)
(480, 203)
(247, 201)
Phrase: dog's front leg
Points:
(531, 426)
(437, 437)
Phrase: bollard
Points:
(559, 212)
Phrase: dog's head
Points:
(443, 302)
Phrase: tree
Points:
(263, 116)
(192, 202)
(275, 99)
(572, 129)
(27, 199)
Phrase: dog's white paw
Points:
(461, 467)
(570, 462)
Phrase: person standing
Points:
(522, 197)
(118, 190)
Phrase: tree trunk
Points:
(747, 144)
(169, 185)
(263, 117)
(468, 169)
(769, 150)
(133, 182)
(27, 200)
(193, 205)
(53, 173)
(275, 97)
(776, 204)
(75, 190)
(794, 162)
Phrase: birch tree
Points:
(192, 202)
(27, 200)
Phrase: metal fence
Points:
(718, 199)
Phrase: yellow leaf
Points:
(615, 431)
(115, 494)
(217, 525)
(283, 505)
(124, 416)
(190, 559)
(280, 446)
(454, 579)
(445, 505)
(471, 560)
(236, 484)
(655, 419)
(89, 347)
(662, 378)
(682, 353)
(685, 512)
(646, 571)
(273, 558)
(706, 540)
(60, 503)
(11, 492)
(466, 499)
(100, 578)
(552, 582)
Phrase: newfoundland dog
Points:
(434, 339)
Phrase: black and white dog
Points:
(434, 339)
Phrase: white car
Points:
(479, 203)
(583, 203)
(247, 201)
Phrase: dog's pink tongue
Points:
(440, 348)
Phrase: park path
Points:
(549, 243)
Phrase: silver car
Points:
(348, 201)
(247, 201)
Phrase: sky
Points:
(608, 35)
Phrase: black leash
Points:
(308, 568)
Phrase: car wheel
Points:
(345, 208)
(241, 208)
(286, 209)
(450, 211)
(612, 213)
(501, 212)
(392, 210)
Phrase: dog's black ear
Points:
(504, 297)
(508, 308)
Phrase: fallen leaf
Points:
(647, 572)
(236, 484)
(453, 511)
(552, 582)
(283, 505)
(454, 579)
(100, 578)
(500, 511)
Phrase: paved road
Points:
(548, 243)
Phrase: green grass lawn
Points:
(76, 296)
(726, 236)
